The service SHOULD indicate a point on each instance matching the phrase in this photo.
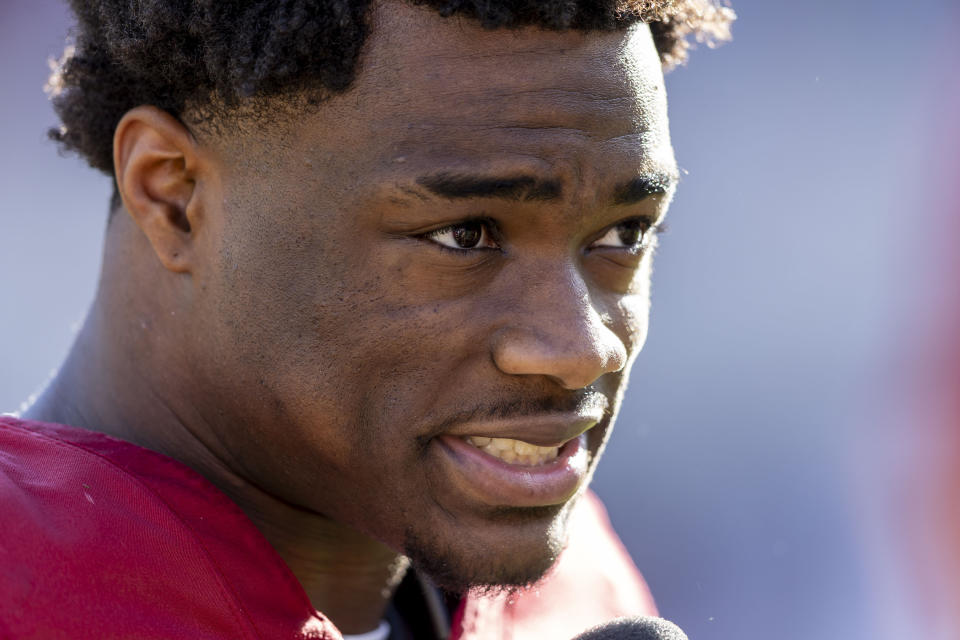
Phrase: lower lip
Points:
(499, 483)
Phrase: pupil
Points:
(630, 232)
(468, 234)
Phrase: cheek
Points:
(635, 313)
(633, 310)
(285, 315)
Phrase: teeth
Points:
(524, 448)
(515, 451)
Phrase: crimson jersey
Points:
(100, 538)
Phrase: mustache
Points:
(581, 402)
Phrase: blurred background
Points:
(787, 464)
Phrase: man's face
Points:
(454, 250)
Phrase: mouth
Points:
(545, 466)
(513, 451)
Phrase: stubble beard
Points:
(487, 572)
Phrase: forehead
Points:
(413, 48)
(433, 91)
(430, 70)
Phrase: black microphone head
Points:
(639, 628)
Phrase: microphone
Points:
(639, 628)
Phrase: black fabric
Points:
(420, 611)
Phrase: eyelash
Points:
(652, 230)
(488, 223)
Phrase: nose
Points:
(558, 333)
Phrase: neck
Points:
(109, 386)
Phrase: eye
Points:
(629, 234)
(471, 234)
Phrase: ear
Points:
(157, 162)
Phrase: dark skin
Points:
(286, 308)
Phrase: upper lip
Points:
(542, 430)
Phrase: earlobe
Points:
(156, 167)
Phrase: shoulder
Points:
(103, 539)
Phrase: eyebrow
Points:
(642, 187)
(529, 188)
(522, 187)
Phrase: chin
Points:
(513, 553)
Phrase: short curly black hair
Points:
(176, 54)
